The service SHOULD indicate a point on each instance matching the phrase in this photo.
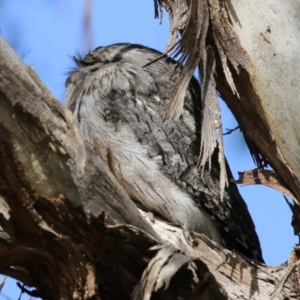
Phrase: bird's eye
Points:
(94, 68)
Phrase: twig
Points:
(33, 293)
(229, 131)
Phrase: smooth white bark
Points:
(269, 33)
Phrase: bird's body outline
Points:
(115, 97)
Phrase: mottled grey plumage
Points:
(116, 99)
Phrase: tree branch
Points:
(73, 231)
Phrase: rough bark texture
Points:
(73, 236)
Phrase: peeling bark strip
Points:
(265, 177)
(240, 277)
(170, 264)
(207, 36)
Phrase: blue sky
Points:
(46, 33)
